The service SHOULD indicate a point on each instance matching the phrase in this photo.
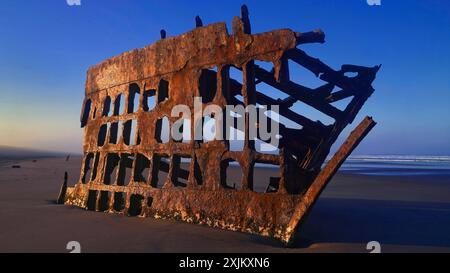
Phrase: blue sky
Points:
(46, 47)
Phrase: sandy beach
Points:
(408, 213)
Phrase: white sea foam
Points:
(400, 158)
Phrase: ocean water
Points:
(397, 165)
(392, 165)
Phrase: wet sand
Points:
(403, 213)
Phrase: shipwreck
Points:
(129, 167)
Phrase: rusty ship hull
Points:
(121, 167)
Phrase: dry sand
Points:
(405, 214)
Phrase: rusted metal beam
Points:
(325, 176)
(198, 21)
(261, 98)
(316, 36)
(63, 191)
(163, 34)
(299, 92)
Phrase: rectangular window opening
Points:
(142, 169)
(107, 106)
(266, 177)
(235, 80)
(112, 163)
(130, 137)
(125, 167)
(149, 100)
(92, 200)
(95, 167)
(135, 205)
(119, 105)
(180, 172)
(160, 171)
(133, 98)
(119, 201)
(103, 202)
(208, 85)
(231, 174)
(163, 91)
(162, 130)
(101, 138)
(87, 169)
(181, 131)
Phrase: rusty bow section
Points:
(131, 167)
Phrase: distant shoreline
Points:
(5, 161)
(14, 154)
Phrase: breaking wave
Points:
(400, 158)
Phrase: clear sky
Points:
(46, 47)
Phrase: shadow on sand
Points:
(388, 222)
